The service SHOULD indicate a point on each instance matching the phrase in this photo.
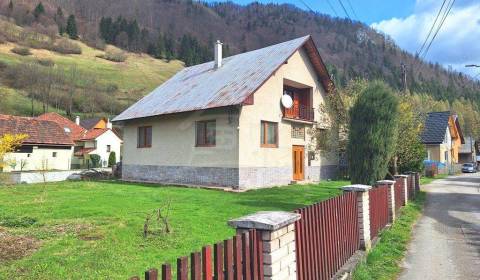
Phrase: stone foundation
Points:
(238, 178)
(251, 177)
(183, 175)
(318, 173)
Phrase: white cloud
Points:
(456, 44)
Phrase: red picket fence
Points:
(411, 186)
(399, 194)
(378, 206)
(326, 236)
(238, 258)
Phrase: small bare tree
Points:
(160, 217)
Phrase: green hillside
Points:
(125, 81)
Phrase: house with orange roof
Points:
(99, 140)
(48, 146)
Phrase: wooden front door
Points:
(298, 153)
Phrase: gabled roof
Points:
(436, 126)
(76, 131)
(203, 86)
(40, 132)
(90, 123)
(92, 134)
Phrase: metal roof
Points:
(203, 87)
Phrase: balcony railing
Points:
(299, 112)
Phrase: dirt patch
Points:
(90, 234)
(14, 247)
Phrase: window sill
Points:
(268, 146)
(205, 146)
(298, 120)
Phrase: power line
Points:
(353, 10)
(306, 5)
(345, 10)
(331, 7)
(431, 29)
(439, 27)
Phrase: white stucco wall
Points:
(107, 138)
(267, 108)
(173, 140)
(41, 158)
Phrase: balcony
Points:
(299, 112)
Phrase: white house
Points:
(100, 140)
(243, 121)
(47, 146)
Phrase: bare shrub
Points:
(160, 218)
(114, 55)
(65, 46)
(21, 51)
(46, 62)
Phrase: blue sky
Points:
(368, 11)
(408, 22)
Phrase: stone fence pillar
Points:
(391, 197)
(405, 186)
(278, 234)
(363, 213)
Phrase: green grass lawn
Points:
(94, 230)
(427, 180)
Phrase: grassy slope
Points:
(135, 77)
(115, 212)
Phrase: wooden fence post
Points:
(278, 234)
(391, 197)
(363, 213)
(405, 185)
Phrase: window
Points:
(54, 154)
(144, 139)
(269, 134)
(298, 132)
(109, 148)
(205, 132)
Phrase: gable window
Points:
(205, 133)
(109, 148)
(54, 154)
(144, 138)
(269, 134)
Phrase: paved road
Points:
(446, 240)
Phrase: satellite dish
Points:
(287, 101)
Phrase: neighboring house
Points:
(442, 137)
(98, 123)
(467, 153)
(47, 147)
(102, 142)
(221, 123)
(99, 141)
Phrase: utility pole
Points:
(404, 77)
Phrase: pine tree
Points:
(39, 9)
(371, 141)
(60, 20)
(72, 27)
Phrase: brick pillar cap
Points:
(385, 182)
(401, 176)
(356, 188)
(265, 220)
